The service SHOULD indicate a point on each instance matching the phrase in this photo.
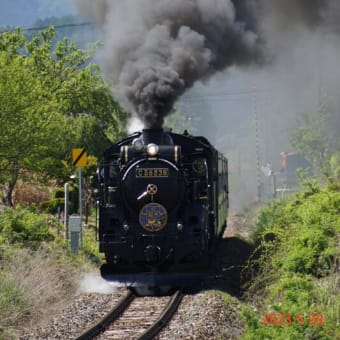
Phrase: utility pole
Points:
(80, 207)
(66, 210)
(257, 144)
(79, 158)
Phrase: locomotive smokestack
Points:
(153, 136)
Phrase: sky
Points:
(25, 12)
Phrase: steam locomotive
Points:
(163, 206)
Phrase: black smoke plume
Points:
(155, 50)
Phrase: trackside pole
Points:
(79, 158)
(80, 207)
(73, 223)
(66, 209)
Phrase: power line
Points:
(59, 26)
(219, 96)
(30, 29)
(224, 93)
(240, 92)
(217, 100)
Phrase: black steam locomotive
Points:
(163, 206)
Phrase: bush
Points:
(58, 193)
(20, 225)
(54, 205)
(297, 264)
(58, 201)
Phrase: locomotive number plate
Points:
(152, 172)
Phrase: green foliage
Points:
(90, 245)
(25, 227)
(57, 202)
(52, 99)
(335, 167)
(58, 193)
(310, 137)
(54, 205)
(299, 250)
(316, 142)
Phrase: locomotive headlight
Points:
(138, 144)
(152, 149)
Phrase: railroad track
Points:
(134, 317)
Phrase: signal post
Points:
(79, 159)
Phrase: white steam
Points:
(94, 283)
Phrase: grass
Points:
(35, 283)
(38, 272)
(12, 302)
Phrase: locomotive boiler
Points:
(163, 206)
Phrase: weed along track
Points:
(135, 318)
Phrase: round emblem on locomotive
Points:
(153, 217)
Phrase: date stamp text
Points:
(278, 319)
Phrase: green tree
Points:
(50, 102)
(314, 140)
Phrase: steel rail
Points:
(165, 317)
(114, 314)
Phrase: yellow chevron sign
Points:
(79, 157)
